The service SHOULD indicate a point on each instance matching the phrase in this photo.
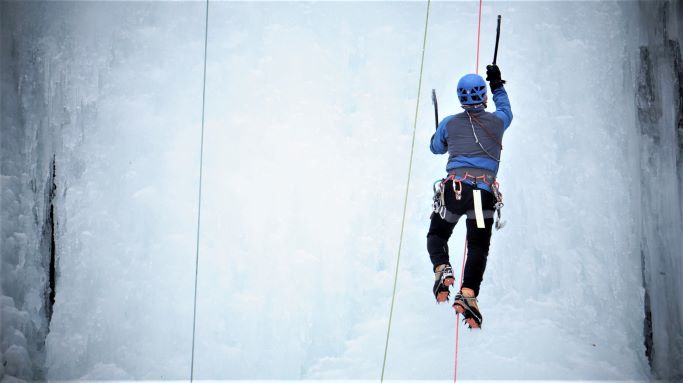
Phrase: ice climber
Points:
(473, 140)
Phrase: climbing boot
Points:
(443, 279)
(466, 304)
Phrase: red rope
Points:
(457, 330)
(478, 34)
(488, 132)
(457, 316)
(464, 255)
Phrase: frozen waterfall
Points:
(308, 125)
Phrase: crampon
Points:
(467, 306)
(443, 279)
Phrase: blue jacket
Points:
(455, 136)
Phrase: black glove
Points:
(493, 77)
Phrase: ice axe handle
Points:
(495, 52)
(436, 108)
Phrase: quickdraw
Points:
(495, 187)
(439, 204)
(439, 200)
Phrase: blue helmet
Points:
(471, 89)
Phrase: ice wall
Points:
(308, 122)
(112, 93)
(31, 109)
(660, 115)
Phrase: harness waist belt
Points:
(487, 175)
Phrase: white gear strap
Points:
(478, 212)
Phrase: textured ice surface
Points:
(309, 116)
(128, 206)
(322, 170)
(659, 104)
(26, 147)
(117, 92)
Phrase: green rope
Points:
(199, 193)
(405, 201)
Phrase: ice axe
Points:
(436, 108)
(495, 52)
(495, 57)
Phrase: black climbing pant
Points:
(478, 240)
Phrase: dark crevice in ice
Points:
(50, 234)
(647, 324)
(675, 48)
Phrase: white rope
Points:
(199, 194)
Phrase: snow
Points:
(309, 116)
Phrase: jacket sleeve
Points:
(439, 145)
(503, 109)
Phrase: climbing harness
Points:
(457, 177)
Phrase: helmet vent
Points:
(471, 89)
